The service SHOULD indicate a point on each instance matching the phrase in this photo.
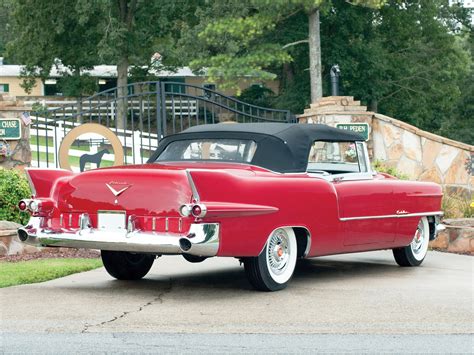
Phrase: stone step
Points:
(356, 108)
(335, 101)
(8, 103)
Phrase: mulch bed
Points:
(50, 253)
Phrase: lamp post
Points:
(335, 72)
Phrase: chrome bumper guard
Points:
(438, 227)
(201, 240)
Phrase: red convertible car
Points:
(266, 193)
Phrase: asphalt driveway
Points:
(355, 303)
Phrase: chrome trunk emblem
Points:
(116, 193)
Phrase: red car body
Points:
(241, 203)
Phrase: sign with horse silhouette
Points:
(96, 136)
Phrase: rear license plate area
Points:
(111, 220)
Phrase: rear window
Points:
(237, 150)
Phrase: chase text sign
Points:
(10, 128)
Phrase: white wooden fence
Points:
(97, 108)
(135, 142)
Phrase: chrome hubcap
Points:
(278, 252)
(418, 241)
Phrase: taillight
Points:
(36, 205)
(23, 205)
(184, 210)
(196, 210)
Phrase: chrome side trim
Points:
(196, 197)
(419, 214)
(204, 239)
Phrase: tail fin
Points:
(42, 180)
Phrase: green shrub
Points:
(13, 188)
(455, 205)
(382, 168)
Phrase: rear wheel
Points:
(126, 266)
(414, 254)
(273, 268)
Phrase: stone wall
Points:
(419, 154)
(458, 237)
(20, 149)
(10, 243)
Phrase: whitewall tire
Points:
(414, 253)
(273, 268)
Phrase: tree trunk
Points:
(315, 57)
(122, 104)
(126, 12)
(288, 75)
(77, 73)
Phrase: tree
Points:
(405, 59)
(80, 34)
(60, 34)
(239, 50)
(133, 31)
(5, 32)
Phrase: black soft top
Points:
(281, 147)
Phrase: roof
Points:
(283, 130)
(281, 147)
(102, 71)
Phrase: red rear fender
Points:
(42, 180)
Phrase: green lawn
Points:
(32, 271)
(42, 140)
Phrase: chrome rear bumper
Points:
(201, 240)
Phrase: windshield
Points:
(336, 157)
(237, 150)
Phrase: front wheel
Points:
(126, 266)
(273, 268)
(414, 254)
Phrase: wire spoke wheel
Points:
(278, 252)
(273, 268)
(419, 244)
(414, 253)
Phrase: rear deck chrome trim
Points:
(406, 215)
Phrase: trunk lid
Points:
(139, 190)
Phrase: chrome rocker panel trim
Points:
(201, 240)
(404, 215)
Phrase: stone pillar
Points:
(416, 153)
(20, 149)
(332, 110)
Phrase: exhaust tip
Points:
(22, 234)
(185, 244)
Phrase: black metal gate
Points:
(147, 112)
